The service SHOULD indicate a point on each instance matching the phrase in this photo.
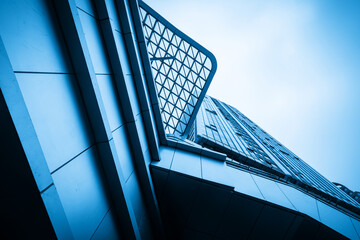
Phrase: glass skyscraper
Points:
(223, 128)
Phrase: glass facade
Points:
(223, 128)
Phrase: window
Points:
(239, 133)
(210, 111)
(284, 152)
(212, 127)
(251, 150)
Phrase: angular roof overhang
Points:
(213, 200)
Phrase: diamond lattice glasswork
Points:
(182, 71)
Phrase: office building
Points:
(107, 133)
(354, 194)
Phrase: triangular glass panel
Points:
(166, 69)
(201, 82)
(160, 54)
(206, 73)
(177, 112)
(186, 46)
(152, 48)
(186, 95)
(173, 74)
(158, 87)
(168, 35)
(189, 109)
(147, 31)
(176, 40)
(185, 118)
(168, 62)
(180, 80)
(190, 62)
(177, 89)
(180, 56)
(182, 104)
(172, 50)
(197, 92)
(208, 63)
(190, 86)
(174, 97)
(159, 28)
(165, 44)
(150, 21)
(191, 52)
(181, 127)
(162, 93)
(202, 57)
(172, 122)
(197, 67)
(143, 14)
(194, 52)
(166, 93)
(162, 103)
(186, 61)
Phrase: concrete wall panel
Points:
(302, 202)
(179, 193)
(166, 157)
(337, 220)
(95, 43)
(182, 160)
(111, 100)
(271, 192)
(56, 213)
(218, 171)
(83, 193)
(86, 6)
(32, 36)
(141, 133)
(267, 228)
(239, 218)
(132, 94)
(107, 229)
(123, 151)
(120, 44)
(356, 224)
(58, 115)
(208, 208)
(133, 188)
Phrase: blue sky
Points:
(293, 67)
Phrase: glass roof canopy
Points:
(182, 71)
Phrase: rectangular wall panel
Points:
(83, 192)
(58, 115)
(110, 98)
(123, 151)
(95, 43)
(32, 36)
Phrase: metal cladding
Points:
(182, 71)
